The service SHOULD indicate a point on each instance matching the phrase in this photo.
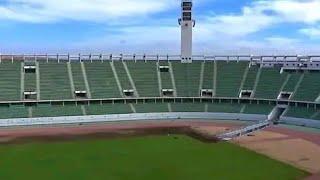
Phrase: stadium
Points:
(140, 116)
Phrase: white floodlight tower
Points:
(187, 23)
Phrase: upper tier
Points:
(58, 81)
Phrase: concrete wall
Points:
(153, 116)
(129, 117)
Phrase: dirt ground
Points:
(300, 149)
(197, 129)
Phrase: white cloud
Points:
(312, 32)
(306, 11)
(88, 10)
(251, 20)
(135, 39)
(213, 33)
(262, 14)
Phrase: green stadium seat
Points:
(47, 110)
(300, 112)
(292, 82)
(270, 83)
(101, 80)
(251, 78)
(97, 109)
(77, 75)
(122, 74)
(224, 108)
(14, 111)
(165, 77)
(150, 107)
(258, 109)
(144, 75)
(187, 78)
(230, 75)
(208, 74)
(30, 82)
(188, 107)
(309, 89)
(10, 81)
(54, 81)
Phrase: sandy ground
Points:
(299, 149)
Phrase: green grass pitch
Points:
(139, 158)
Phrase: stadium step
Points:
(206, 108)
(296, 88)
(30, 112)
(133, 109)
(201, 77)
(244, 77)
(117, 78)
(256, 83)
(38, 81)
(22, 80)
(159, 79)
(131, 79)
(84, 73)
(84, 111)
(71, 79)
(169, 107)
(285, 83)
(175, 94)
(215, 77)
(315, 115)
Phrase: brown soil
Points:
(202, 130)
(299, 149)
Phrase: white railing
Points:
(129, 117)
(159, 57)
(244, 131)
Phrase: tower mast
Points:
(187, 23)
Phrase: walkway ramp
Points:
(244, 131)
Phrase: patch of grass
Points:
(150, 158)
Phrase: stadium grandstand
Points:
(65, 85)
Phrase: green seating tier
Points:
(144, 75)
(229, 78)
(251, 78)
(258, 109)
(54, 81)
(292, 82)
(188, 107)
(187, 78)
(153, 108)
(97, 109)
(309, 89)
(30, 82)
(56, 110)
(208, 74)
(77, 75)
(165, 77)
(101, 80)
(224, 108)
(300, 112)
(270, 83)
(14, 111)
(10, 81)
(123, 76)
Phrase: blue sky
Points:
(150, 26)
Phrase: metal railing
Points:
(156, 57)
(244, 131)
